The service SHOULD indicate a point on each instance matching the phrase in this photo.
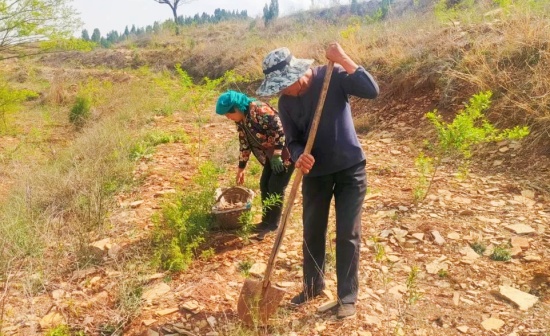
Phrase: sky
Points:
(110, 15)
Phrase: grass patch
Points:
(63, 190)
(478, 247)
(245, 266)
(501, 253)
(443, 273)
(145, 147)
(129, 299)
(62, 330)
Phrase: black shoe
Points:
(304, 297)
(346, 310)
(265, 232)
(259, 227)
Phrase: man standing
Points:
(335, 167)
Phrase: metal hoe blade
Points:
(257, 304)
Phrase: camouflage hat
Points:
(281, 70)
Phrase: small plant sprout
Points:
(424, 165)
(245, 266)
(208, 253)
(501, 253)
(413, 294)
(379, 251)
(245, 220)
(478, 247)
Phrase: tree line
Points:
(114, 36)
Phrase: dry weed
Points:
(58, 93)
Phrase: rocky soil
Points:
(419, 272)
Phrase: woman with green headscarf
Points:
(261, 133)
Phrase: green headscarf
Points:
(232, 99)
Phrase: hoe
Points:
(260, 299)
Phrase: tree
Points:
(156, 27)
(112, 37)
(386, 7)
(105, 43)
(96, 36)
(271, 12)
(26, 21)
(267, 15)
(354, 7)
(85, 35)
(274, 7)
(174, 4)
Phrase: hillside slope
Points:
(81, 208)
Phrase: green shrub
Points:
(471, 127)
(61, 330)
(478, 247)
(457, 139)
(10, 101)
(447, 10)
(501, 253)
(208, 253)
(80, 112)
(245, 220)
(185, 221)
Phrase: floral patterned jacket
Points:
(261, 132)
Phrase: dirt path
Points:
(458, 292)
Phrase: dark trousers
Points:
(273, 184)
(348, 187)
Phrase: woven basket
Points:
(228, 218)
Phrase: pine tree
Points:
(271, 12)
(156, 27)
(104, 43)
(85, 35)
(96, 36)
(267, 16)
(354, 7)
(274, 9)
(112, 37)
